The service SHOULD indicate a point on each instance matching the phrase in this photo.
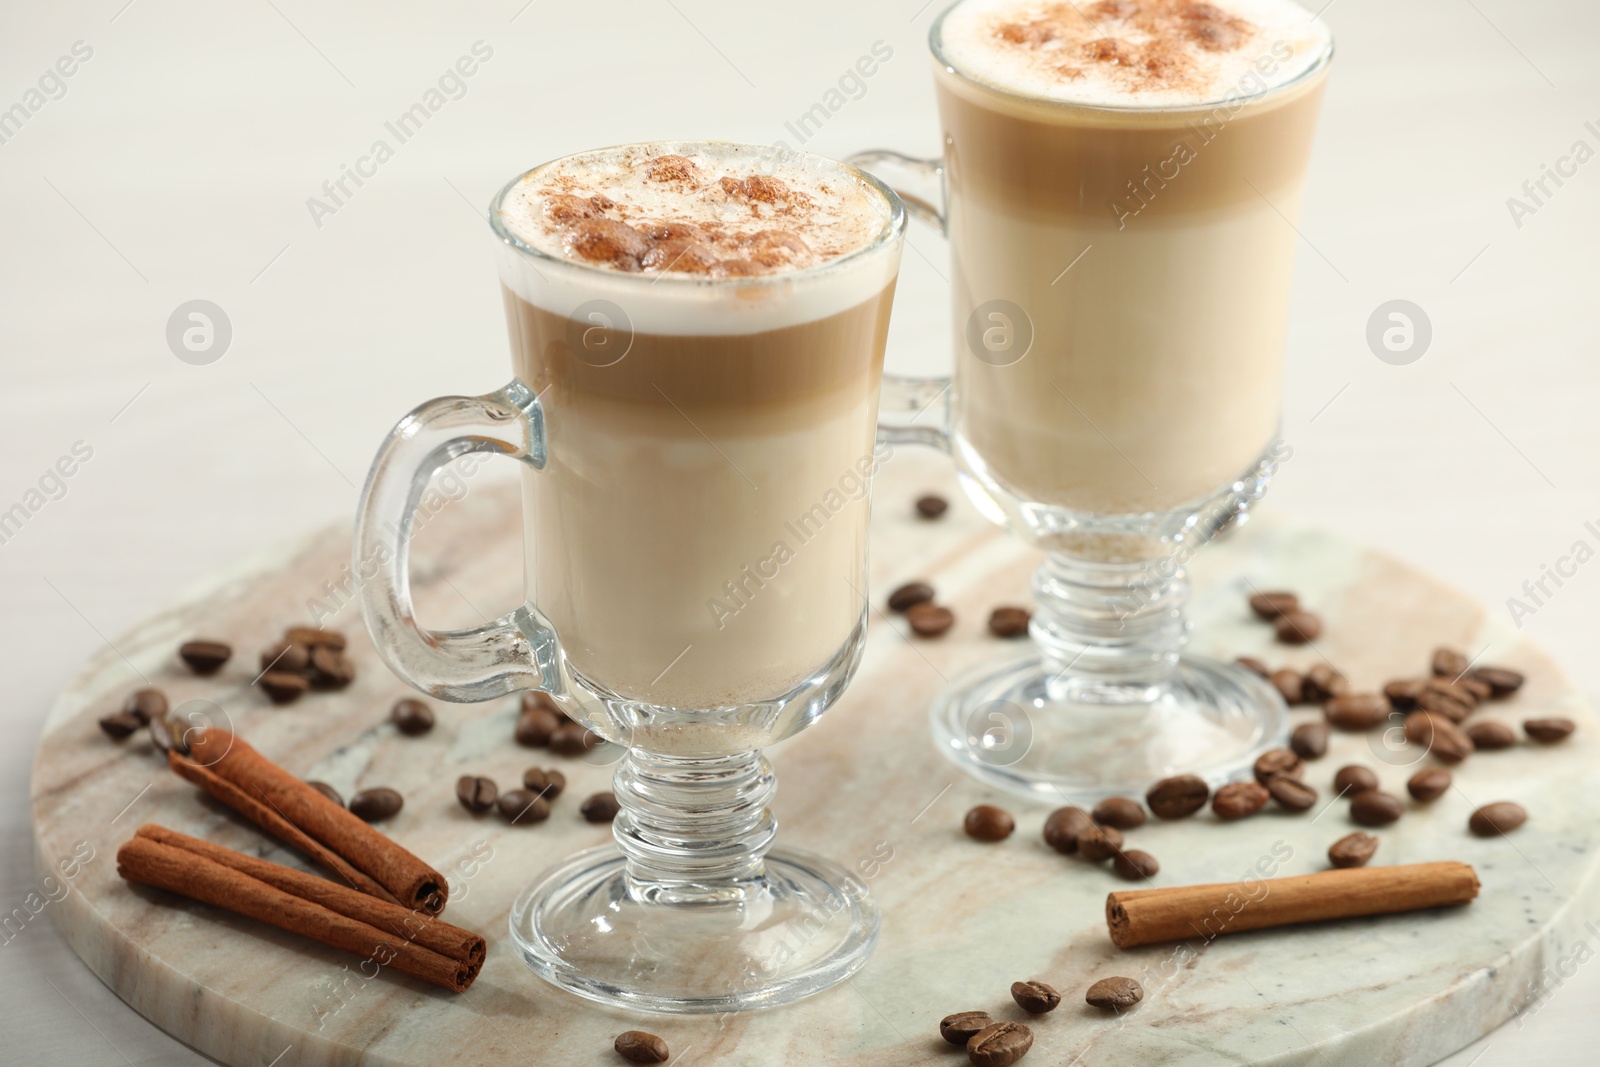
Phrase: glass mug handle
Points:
(516, 651)
(920, 183)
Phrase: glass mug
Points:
(697, 453)
(1120, 291)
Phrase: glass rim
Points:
(894, 225)
(935, 45)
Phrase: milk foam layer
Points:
(1132, 53)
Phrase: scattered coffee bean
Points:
(1310, 740)
(909, 595)
(1402, 693)
(1035, 998)
(1502, 682)
(1062, 827)
(999, 1044)
(1448, 663)
(1430, 783)
(1324, 683)
(1501, 817)
(1254, 666)
(328, 791)
(599, 807)
(1291, 685)
(1352, 850)
(119, 725)
(538, 698)
(547, 782)
(523, 807)
(1438, 735)
(1009, 622)
(573, 739)
(932, 506)
(283, 688)
(1549, 731)
(1354, 779)
(1374, 807)
(411, 717)
(1490, 736)
(988, 823)
(286, 656)
(636, 1046)
(1099, 843)
(312, 637)
(1135, 865)
(205, 657)
(1271, 605)
(1481, 691)
(1121, 812)
(1116, 994)
(330, 669)
(1297, 628)
(146, 705)
(1239, 799)
(535, 727)
(1275, 762)
(1446, 698)
(476, 793)
(164, 740)
(959, 1028)
(1177, 797)
(1356, 711)
(376, 804)
(929, 620)
(1291, 793)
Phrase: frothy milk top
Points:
(715, 210)
(1133, 53)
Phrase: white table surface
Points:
(178, 164)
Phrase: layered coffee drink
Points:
(704, 325)
(1123, 181)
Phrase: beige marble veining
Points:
(961, 920)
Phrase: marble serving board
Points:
(961, 920)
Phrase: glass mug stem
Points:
(1108, 633)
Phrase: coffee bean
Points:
(1352, 850)
(999, 1044)
(1291, 793)
(1297, 628)
(205, 657)
(1291, 685)
(312, 637)
(932, 506)
(1448, 663)
(538, 698)
(1438, 735)
(1356, 711)
(1402, 693)
(328, 791)
(599, 807)
(1446, 698)
(1502, 682)
(1009, 622)
(523, 807)
(1490, 736)
(988, 823)
(1254, 666)
(1120, 812)
(1275, 762)
(1501, 817)
(1549, 731)
(1116, 994)
(119, 726)
(929, 620)
(377, 804)
(411, 717)
(1239, 799)
(1353, 779)
(1062, 827)
(330, 669)
(1374, 807)
(1430, 783)
(146, 705)
(1135, 865)
(476, 793)
(164, 740)
(286, 656)
(1271, 605)
(1324, 683)
(1099, 843)
(547, 782)
(636, 1046)
(1481, 691)
(1035, 998)
(959, 1028)
(909, 595)
(282, 688)
(573, 739)
(535, 727)
(1177, 797)
(1310, 740)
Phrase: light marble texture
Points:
(961, 920)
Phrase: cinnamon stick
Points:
(410, 881)
(148, 859)
(1148, 916)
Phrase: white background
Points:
(179, 162)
